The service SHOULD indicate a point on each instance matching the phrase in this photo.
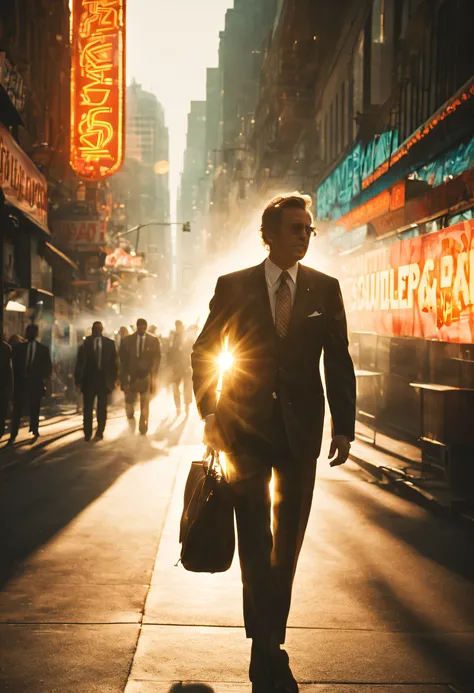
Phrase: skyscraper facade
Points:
(142, 185)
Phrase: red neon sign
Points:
(97, 87)
(418, 287)
(464, 95)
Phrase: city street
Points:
(92, 601)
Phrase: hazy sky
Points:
(169, 45)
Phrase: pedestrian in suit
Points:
(179, 361)
(6, 382)
(31, 367)
(140, 356)
(277, 319)
(96, 375)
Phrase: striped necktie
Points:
(283, 306)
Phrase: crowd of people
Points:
(137, 361)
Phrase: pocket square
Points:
(316, 314)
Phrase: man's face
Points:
(141, 327)
(290, 243)
(97, 329)
(31, 332)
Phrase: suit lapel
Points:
(302, 298)
(259, 299)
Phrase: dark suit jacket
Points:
(6, 373)
(86, 372)
(266, 368)
(38, 372)
(133, 368)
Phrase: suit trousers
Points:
(89, 394)
(187, 390)
(30, 394)
(272, 494)
(130, 402)
(4, 398)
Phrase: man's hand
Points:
(341, 445)
(212, 436)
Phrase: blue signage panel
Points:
(335, 194)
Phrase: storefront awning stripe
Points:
(61, 255)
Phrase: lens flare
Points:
(225, 361)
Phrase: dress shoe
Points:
(283, 679)
(87, 438)
(99, 436)
(260, 671)
(11, 441)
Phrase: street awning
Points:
(61, 256)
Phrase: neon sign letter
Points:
(97, 87)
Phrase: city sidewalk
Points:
(91, 600)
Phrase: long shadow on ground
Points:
(42, 496)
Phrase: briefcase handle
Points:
(214, 466)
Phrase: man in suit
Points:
(277, 319)
(31, 367)
(96, 375)
(140, 356)
(6, 380)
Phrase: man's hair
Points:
(33, 328)
(272, 214)
(142, 321)
(97, 322)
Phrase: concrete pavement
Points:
(91, 599)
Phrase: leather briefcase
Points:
(207, 534)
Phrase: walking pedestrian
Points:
(179, 361)
(96, 376)
(140, 356)
(278, 318)
(6, 381)
(32, 366)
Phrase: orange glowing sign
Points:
(97, 87)
(417, 287)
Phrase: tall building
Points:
(142, 186)
(191, 246)
(369, 106)
(35, 278)
(248, 26)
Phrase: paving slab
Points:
(63, 659)
(202, 687)
(221, 655)
(39, 603)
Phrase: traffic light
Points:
(186, 227)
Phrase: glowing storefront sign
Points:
(97, 87)
(418, 287)
(22, 184)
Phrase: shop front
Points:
(404, 253)
(26, 281)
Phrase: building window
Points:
(331, 132)
(326, 139)
(343, 116)
(381, 51)
(358, 75)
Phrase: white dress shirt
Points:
(140, 345)
(30, 353)
(98, 351)
(272, 276)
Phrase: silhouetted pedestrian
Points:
(140, 356)
(6, 382)
(96, 375)
(31, 367)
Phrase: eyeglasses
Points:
(298, 227)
